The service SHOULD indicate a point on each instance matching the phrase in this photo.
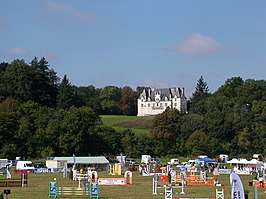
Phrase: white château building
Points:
(155, 101)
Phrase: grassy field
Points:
(141, 189)
(139, 125)
(142, 186)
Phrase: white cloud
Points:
(197, 44)
(67, 9)
(15, 51)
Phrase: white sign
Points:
(224, 171)
(111, 181)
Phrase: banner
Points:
(52, 189)
(94, 190)
(74, 160)
(237, 190)
(122, 162)
(224, 171)
(111, 181)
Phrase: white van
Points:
(223, 158)
(131, 161)
(121, 159)
(24, 165)
(191, 162)
(256, 156)
(174, 161)
(155, 161)
(145, 159)
(3, 163)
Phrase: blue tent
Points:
(206, 160)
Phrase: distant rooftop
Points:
(84, 160)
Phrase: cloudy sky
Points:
(155, 43)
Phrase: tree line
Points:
(232, 120)
(41, 115)
(37, 82)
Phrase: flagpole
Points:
(255, 191)
(74, 160)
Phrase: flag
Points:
(74, 159)
(122, 162)
(237, 190)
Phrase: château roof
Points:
(163, 92)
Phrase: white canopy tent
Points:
(99, 162)
(244, 166)
(233, 161)
(253, 161)
(242, 161)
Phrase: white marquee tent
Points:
(243, 161)
(233, 161)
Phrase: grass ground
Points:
(141, 188)
(139, 125)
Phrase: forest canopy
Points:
(42, 115)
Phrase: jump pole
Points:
(154, 187)
(193, 198)
(183, 183)
(219, 195)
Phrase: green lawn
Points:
(139, 125)
(141, 188)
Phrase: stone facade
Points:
(155, 101)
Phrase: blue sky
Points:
(157, 43)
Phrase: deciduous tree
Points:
(128, 101)
(165, 130)
(109, 97)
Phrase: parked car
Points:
(3, 163)
(40, 167)
(113, 161)
(174, 161)
(182, 165)
(131, 161)
(155, 161)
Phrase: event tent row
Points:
(243, 161)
